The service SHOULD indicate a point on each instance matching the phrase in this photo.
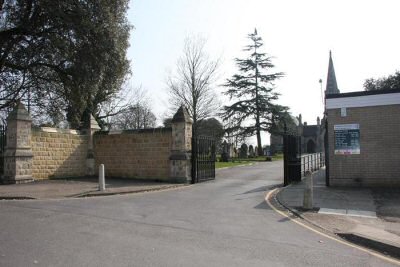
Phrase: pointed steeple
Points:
(331, 84)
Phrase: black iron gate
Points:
(2, 147)
(291, 158)
(203, 159)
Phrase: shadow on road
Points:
(263, 205)
(387, 201)
(262, 189)
(284, 219)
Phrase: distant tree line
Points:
(385, 83)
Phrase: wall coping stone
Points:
(57, 130)
(136, 131)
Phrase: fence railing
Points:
(3, 140)
(203, 158)
(312, 162)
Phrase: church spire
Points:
(331, 84)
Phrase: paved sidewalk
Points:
(368, 216)
(78, 187)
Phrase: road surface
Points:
(225, 222)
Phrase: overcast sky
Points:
(363, 36)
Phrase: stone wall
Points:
(379, 158)
(58, 153)
(142, 154)
(43, 153)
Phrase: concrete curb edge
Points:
(377, 245)
(96, 193)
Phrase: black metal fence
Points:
(3, 140)
(203, 159)
(291, 158)
(296, 165)
(312, 162)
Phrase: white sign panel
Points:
(347, 139)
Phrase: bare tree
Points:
(192, 84)
(120, 103)
(234, 137)
(130, 109)
(137, 116)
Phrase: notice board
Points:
(347, 139)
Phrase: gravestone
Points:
(243, 151)
(225, 155)
(232, 151)
(251, 151)
(235, 152)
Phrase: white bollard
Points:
(102, 183)
(308, 192)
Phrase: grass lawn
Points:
(277, 157)
(219, 165)
(247, 161)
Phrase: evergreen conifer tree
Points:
(252, 88)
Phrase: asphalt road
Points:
(225, 222)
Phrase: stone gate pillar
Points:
(91, 126)
(181, 147)
(18, 155)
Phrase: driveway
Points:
(225, 222)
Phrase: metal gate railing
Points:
(291, 158)
(3, 139)
(312, 162)
(203, 159)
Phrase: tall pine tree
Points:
(253, 89)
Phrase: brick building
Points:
(363, 136)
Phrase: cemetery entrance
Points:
(203, 159)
